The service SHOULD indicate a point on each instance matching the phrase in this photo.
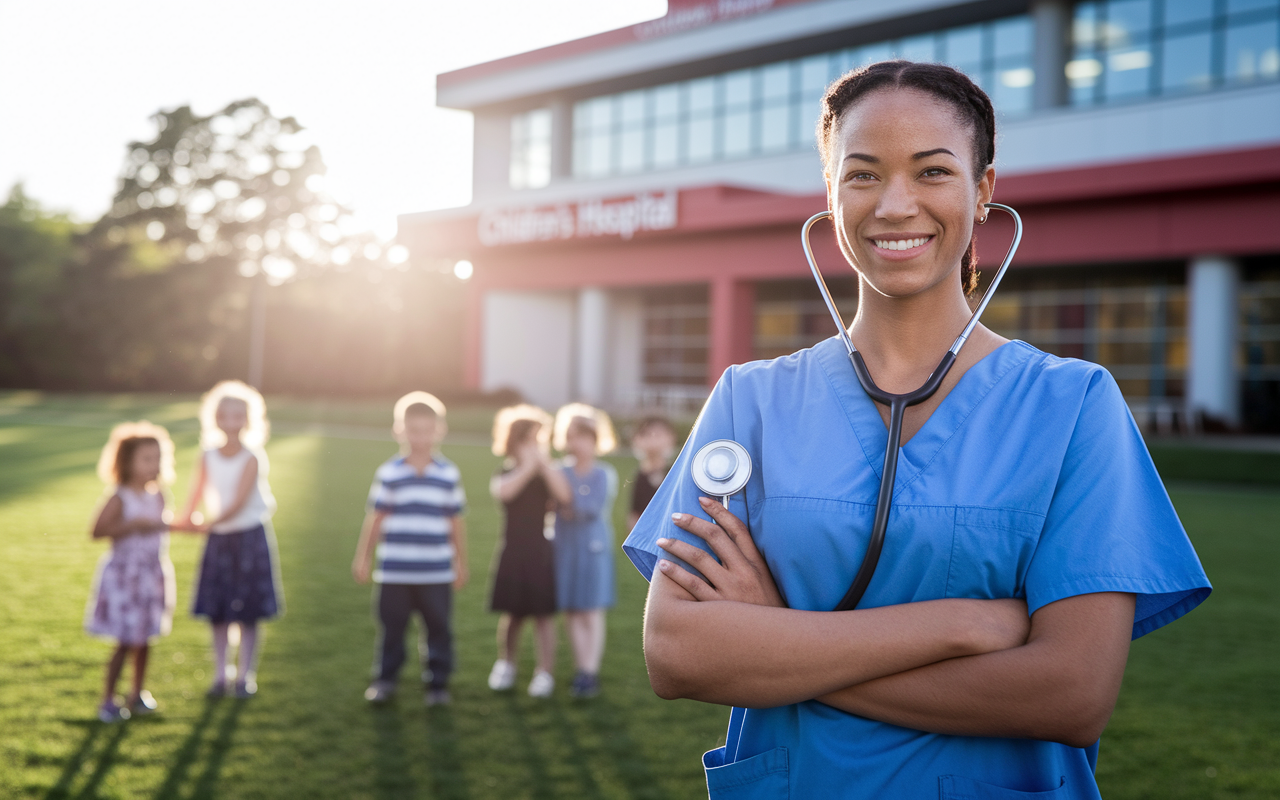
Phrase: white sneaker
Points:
(542, 684)
(503, 675)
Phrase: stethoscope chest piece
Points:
(721, 468)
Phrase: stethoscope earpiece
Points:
(721, 469)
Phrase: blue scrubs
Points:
(1030, 480)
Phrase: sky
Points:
(82, 79)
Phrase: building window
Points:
(676, 336)
(1133, 325)
(1127, 49)
(791, 315)
(531, 149)
(1260, 343)
(774, 108)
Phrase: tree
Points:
(235, 187)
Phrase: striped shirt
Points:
(419, 508)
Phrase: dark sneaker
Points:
(246, 689)
(380, 692)
(584, 686)
(144, 704)
(438, 697)
(110, 713)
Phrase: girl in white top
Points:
(133, 596)
(238, 581)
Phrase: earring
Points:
(983, 221)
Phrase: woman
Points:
(1023, 487)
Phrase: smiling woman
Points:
(986, 656)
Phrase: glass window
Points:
(919, 48)
(963, 46)
(1013, 37)
(666, 145)
(529, 166)
(1186, 64)
(1128, 72)
(737, 89)
(774, 108)
(1251, 52)
(775, 81)
(775, 127)
(666, 102)
(737, 133)
(1180, 12)
(1243, 6)
(1127, 20)
(702, 95)
(701, 142)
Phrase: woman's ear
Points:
(986, 190)
(831, 201)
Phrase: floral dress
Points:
(134, 592)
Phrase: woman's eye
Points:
(861, 177)
(935, 172)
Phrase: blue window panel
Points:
(1128, 72)
(1187, 63)
(631, 150)
(963, 46)
(775, 127)
(702, 95)
(814, 75)
(919, 48)
(1239, 6)
(701, 142)
(1127, 20)
(737, 88)
(1180, 12)
(1252, 52)
(1011, 89)
(1013, 37)
(666, 145)
(666, 102)
(737, 134)
(775, 81)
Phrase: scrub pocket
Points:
(954, 787)
(763, 777)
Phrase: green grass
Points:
(1201, 696)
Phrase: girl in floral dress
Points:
(134, 595)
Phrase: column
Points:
(1213, 386)
(1052, 22)
(561, 140)
(593, 345)
(732, 325)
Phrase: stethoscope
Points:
(721, 468)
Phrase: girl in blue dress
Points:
(1030, 537)
(584, 538)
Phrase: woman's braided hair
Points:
(971, 104)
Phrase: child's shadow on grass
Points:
(75, 763)
(189, 754)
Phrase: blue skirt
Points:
(237, 580)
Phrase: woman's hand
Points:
(741, 574)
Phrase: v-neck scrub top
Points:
(1029, 480)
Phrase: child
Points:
(414, 523)
(134, 595)
(654, 442)
(524, 579)
(584, 538)
(238, 577)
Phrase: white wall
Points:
(528, 345)
(1213, 385)
(626, 348)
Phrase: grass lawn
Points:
(1199, 715)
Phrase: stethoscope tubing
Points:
(897, 403)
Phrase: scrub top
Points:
(1029, 480)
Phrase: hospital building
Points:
(638, 195)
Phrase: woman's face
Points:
(902, 190)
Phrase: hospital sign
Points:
(586, 219)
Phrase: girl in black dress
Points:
(528, 486)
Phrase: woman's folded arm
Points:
(1060, 686)
(759, 656)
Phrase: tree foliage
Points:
(156, 294)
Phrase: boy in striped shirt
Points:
(414, 526)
